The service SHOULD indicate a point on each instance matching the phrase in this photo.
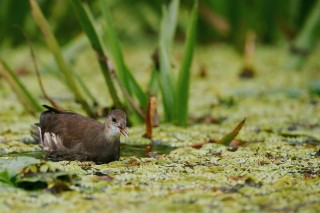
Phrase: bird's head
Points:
(116, 123)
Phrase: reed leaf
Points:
(167, 30)
(21, 98)
(20, 89)
(184, 72)
(124, 73)
(307, 38)
(55, 49)
(70, 52)
(84, 17)
(227, 138)
(86, 90)
(153, 83)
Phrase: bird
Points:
(66, 135)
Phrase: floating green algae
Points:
(275, 170)
(278, 177)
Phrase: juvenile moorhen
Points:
(67, 135)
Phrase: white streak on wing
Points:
(40, 135)
(57, 141)
(47, 141)
(52, 142)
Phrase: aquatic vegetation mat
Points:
(275, 167)
(272, 177)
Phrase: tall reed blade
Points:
(167, 30)
(182, 95)
(83, 14)
(55, 49)
(125, 76)
(153, 82)
(307, 39)
(20, 88)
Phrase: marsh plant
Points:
(174, 90)
(296, 21)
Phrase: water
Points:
(127, 150)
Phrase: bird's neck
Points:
(111, 133)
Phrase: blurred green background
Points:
(219, 20)
(115, 26)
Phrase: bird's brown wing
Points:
(67, 129)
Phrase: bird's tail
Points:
(35, 132)
(51, 109)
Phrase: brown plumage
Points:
(71, 136)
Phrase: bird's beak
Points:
(124, 131)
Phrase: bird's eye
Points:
(114, 120)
